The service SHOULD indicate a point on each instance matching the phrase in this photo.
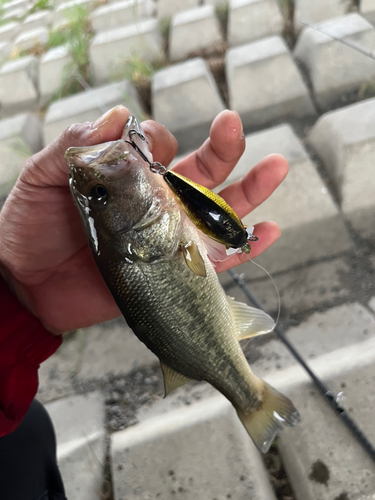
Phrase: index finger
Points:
(211, 164)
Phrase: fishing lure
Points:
(206, 209)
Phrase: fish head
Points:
(115, 191)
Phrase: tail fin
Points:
(264, 424)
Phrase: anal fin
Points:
(172, 379)
(249, 321)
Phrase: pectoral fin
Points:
(172, 379)
(194, 259)
(250, 321)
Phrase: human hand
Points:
(44, 254)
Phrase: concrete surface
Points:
(9, 31)
(31, 38)
(186, 100)
(318, 10)
(88, 106)
(166, 8)
(79, 426)
(19, 85)
(39, 19)
(193, 30)
(117, 14)
(20, 137)
(250, 20)
(264, 83)
(197, 452)
(334, 68)
(310, 222)
(345, 142)
(53, 71)
(109, 50)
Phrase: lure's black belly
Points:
(214, 220)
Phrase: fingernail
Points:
(104, 118)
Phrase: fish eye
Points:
(99, 193)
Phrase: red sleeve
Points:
(24, 344)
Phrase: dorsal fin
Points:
(249, 321)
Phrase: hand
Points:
(44, 254)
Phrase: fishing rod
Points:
(323, 389)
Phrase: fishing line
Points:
(277, 291)
(334, 402)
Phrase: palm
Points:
(43, 249)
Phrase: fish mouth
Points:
(111, 153)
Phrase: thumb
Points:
(49, 168)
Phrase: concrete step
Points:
(302, 206)
(117, 14)
(344, 140)
(193, 30)
(249, 20)
(167, 8)
(19, 86)
(186, 100)
(88, 106)
(306, 11)
(80, 433)
(20, 137)
(256, 93)
(111, 49)
(334, 68)
(197, 452)
(53, 70)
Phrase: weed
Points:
(40, 5)
(164, 29)
(222, 13)
(76, 35)
(366, 90)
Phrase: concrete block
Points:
(201, 451)
(333, 67)
(112, 349)
(250, 20)
(306, 288)
(166, 8)
(80, 433)
(5, 49)
(88, 106)
(322, 334)
(193, 30)
(40, 19)
(9, 31)
(316, 11)
(322, 458)
(19, 85)
(29, 39)
(310, 222)
(367, 10)
(60, 13)
(20, 137)
(264, 83)
(13, 15)
(186, 100)
(110, 49)
(15, 4)
(117, 14)
(345, 142)
(52, 72)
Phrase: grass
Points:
(140, 72)
(76, 35)
(222, 13)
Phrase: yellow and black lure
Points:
(206, 209)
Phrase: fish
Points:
(156, 265)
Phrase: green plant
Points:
(40, 5)
(76, 35)
(222, 12)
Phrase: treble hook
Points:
(155, 166)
